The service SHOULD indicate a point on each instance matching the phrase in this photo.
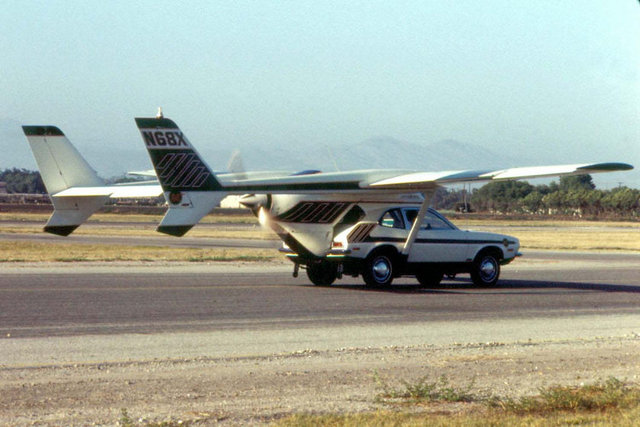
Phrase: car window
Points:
(392, 219)
(434, 222)
(431, 221)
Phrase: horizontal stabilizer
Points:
(114, 191)
(70, 212)
(185, 212)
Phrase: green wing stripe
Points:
(607, 167)
(42, 131)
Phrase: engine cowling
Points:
(304, 222)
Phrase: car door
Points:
(438, 240)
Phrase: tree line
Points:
(572, 195)
(22, 181)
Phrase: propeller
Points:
(256, 201)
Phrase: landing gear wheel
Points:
(322, 273)
(429, 278)
(486, 270)
(378, 270)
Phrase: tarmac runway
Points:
(104, 299)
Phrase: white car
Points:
(371, 243)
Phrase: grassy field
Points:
(533, 234)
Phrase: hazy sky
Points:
(556, 80)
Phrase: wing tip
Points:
(607, 167)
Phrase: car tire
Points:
(322, 273)
(485, 271)
(379, 269)
(429, 278)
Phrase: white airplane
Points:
(374, 223)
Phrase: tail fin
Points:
(61, 167)
(190, 187)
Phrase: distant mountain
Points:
(377, 153)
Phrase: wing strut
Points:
(417, 224)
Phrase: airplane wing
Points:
(403, 181)
(427, 180)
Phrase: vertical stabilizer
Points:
(61, 167)
(190, 186)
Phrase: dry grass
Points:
(477, 418)
(579, 239)
(611, 403)
(500, 222)
(114, 217)
(24, 251)
(147, 229)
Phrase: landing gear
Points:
(322, 273)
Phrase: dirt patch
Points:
(257, 389)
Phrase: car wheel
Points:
(322, 273)
(429, 278)
(486, 270)
(378, 270)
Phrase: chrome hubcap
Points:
(381, 269)
(488, 269)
